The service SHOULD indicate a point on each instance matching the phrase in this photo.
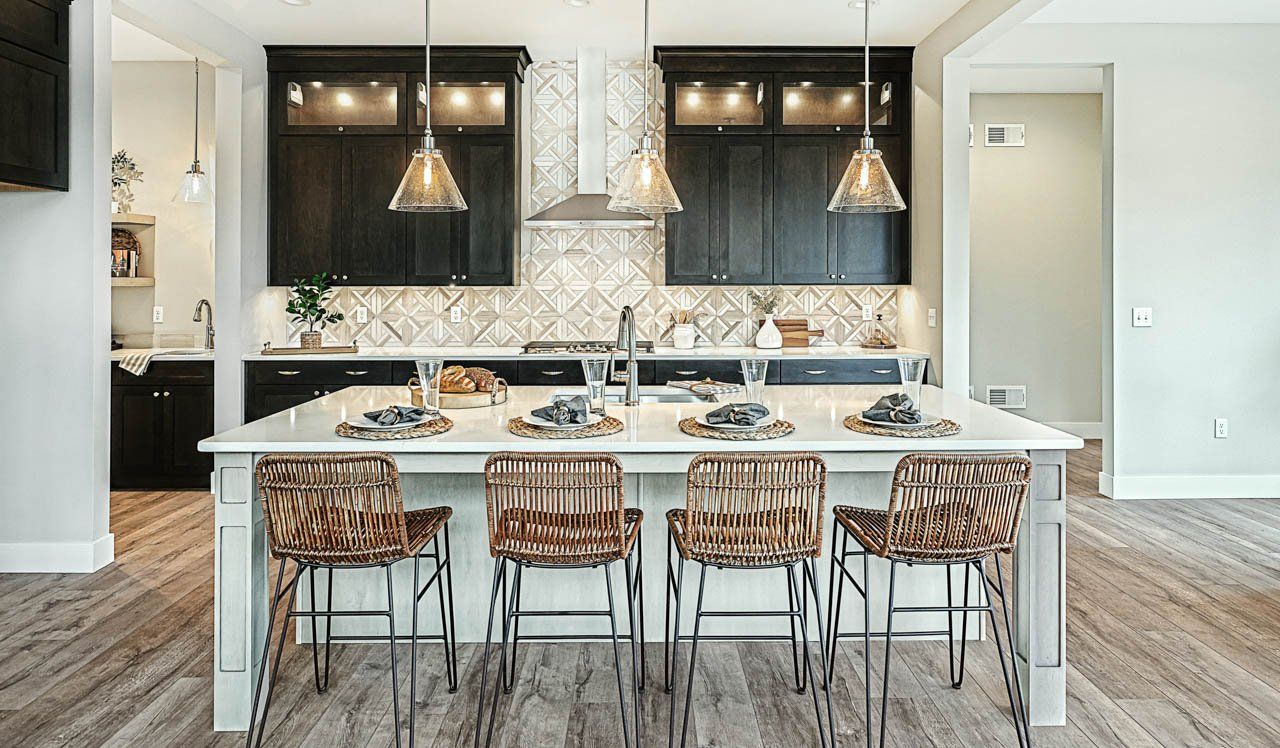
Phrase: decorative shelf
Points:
(132, 282)
(132, 219)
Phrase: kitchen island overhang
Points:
(447, 469)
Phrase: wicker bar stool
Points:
(560, 511)
(346, 511)
(946, 510)
(750, 511)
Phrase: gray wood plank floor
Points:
(1174, 639)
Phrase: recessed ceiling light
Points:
(298, 3)
(577, 3)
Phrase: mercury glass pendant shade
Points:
(428, 187)
(866, 186)
(644, 186)
(196, 187)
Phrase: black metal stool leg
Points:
(617, 658)
(835, 596)
(451, 633)
(321, 686)
(804, 635)
(639, 594)
(792, 601)
(509, 608)
(956, 682)
(671, 631)
(1018, 705)
(498, 567)
(693, 658)
(413, 654)
(888, 649)
(812, 571)
(266, 650)
(509, 674)
(395, 677)
(635, 657)
(866, 634)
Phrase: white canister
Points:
(684, 337)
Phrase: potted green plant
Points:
(307, 298)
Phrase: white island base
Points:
(447, 470)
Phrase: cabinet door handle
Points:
(344, 277)
(552, 373)
(166, 394)
(356, 373)
(842, 276)
(832, 276)
(155, 394)
(453, 277)
(686, 373)
(881, 371)
(714, 276)
(316, 393)
(464, 277)
(815, 372)
(288, 373)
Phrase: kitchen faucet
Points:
(627, 342)
(204, 305)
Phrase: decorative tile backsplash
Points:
(572, 283)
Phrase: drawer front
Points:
(270, 399)
(505, 369)
(841, 371)
(567, 371)
(161, 373)
(721, 370)
(347, 373)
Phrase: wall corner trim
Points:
(57, 558)
(1126, 487)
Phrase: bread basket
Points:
(463, 399)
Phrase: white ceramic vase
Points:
(769, 336)
(684, 337)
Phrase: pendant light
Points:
(866, 186)
(645, 186)
(195, 187)
(428, 187)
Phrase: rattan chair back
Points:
(956, 506)
(333, 508)
(747, 509)
(555, 508)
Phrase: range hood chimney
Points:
(589, 209)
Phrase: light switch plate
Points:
(455, 314)
(868, 312)
(157, 314)
(1142, 316)
(933, 318)
(362, 315)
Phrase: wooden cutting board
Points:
(795, 332)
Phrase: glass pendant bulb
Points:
(428, 187)
(644, 186)
(196, 186)
(866, 186)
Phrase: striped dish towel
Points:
(137, 363)
(707, 387)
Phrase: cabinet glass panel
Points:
(370, 103)
(465, 104)
(817, 103)
(720, 104)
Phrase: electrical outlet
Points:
(362, 315)
(157, 314)
(1219, 428)
(868, 312)
(1142, 316)
(933, 318)
(455, 314)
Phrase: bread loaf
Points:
(454, 380)
(483, 378)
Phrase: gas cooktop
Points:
(580, 346)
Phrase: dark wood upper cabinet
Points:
(832, 103)
(745, 216)
(306, 205)
(488, 171)
(356, 103)
(435, 239)
(719, 103)
(803, 229)
(874, 248)
(373, 239)
(693, 248)
(34, 95)
(466, 104)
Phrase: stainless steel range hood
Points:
(589, 209)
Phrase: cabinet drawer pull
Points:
(552, 373)
(288, 373)
(686, 373)
(815, 372)
(356, 373)
(881, 371)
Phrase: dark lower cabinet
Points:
(269, 399)
(34, 95)
(154, 432)
(721, 370)
(840, 371)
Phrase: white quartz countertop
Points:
(513, 352)
(166, 354)
(818, 413)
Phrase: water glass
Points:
(429, 377)
(912, 370)
(753, 371)
(596, 372)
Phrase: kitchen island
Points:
(447, 469)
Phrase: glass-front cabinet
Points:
(818, 103)
(719, 103)
(352, 103)
(463, 103)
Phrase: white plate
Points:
(542, 423)
(361, 422)
(925, 420)
(702, 420)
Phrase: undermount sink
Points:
(647, 395)
(196, 352)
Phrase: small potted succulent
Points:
(766, 304)
(307, 298)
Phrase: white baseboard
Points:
(1189, 486)
(1082, 429)
(57, 558)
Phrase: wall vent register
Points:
(1007, 396)
(1006, 136)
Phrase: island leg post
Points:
(1040, 587)
(239, 589)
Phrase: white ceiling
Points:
(131, 44)
(1035, 80)
(552, 30)
(1159, 11)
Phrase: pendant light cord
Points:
(427, 83)
(196, 144)
(866, 68)
(648, 89)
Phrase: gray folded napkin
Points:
(394, 414)
(564, 412)
(893, 409)
(738, 414)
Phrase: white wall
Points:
(1195, 233)
(152, 115)
(1035, 220)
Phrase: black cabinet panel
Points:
(190, 420)
(38, 25)
(269, 399)
(33, 118)
(802, 230)
(340, 372)
(435, 239)
(137, 433)
(166, 373)
(874, 247)
(156, 426)
(373, 237)
(488, 185)
(306, 207)
(566, 371)
(745, 177)
(693, 250)
(721, 370)
(401, 371)
(841, 371)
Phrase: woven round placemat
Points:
(778, 428)
(435, 426)
(604, 427)
(941, 428)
